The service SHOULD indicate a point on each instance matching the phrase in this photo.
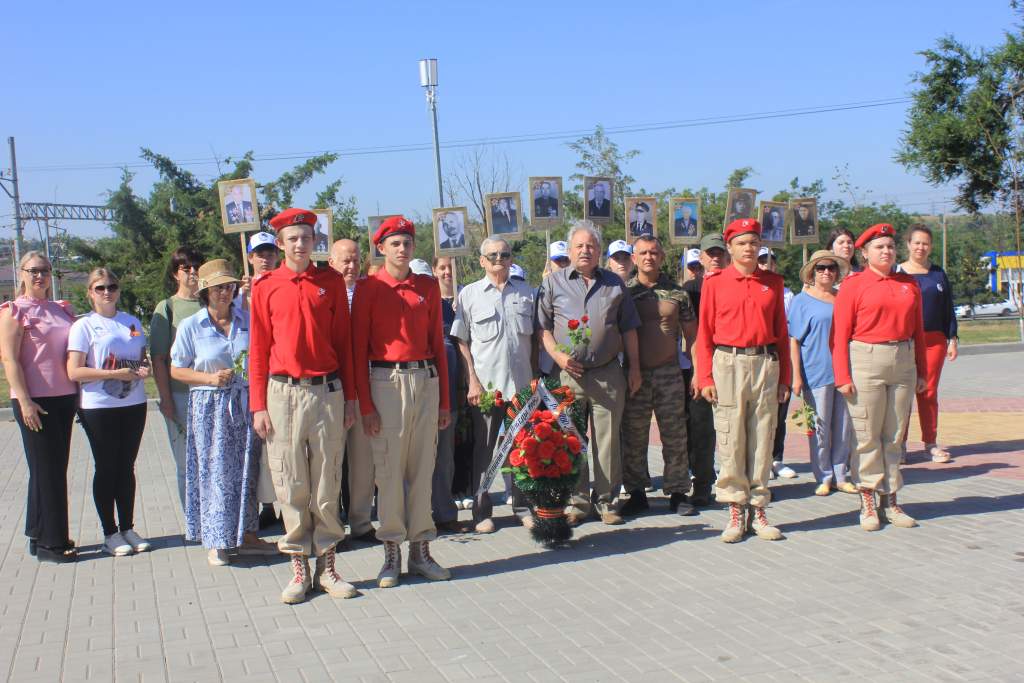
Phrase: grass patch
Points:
(988, 331)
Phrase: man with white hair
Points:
(494, 326)
(587, 296)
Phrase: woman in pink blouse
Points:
(34, 342)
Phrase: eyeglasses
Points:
(37, 272)
(820, 268)
(495, 255)
(112, 288)
(188, 266)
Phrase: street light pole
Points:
(428, 80)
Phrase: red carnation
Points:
(563, 461)
(585, 319)
(543, 430)
(534, 469)
(530, 445)
(547, 416)
(547, 449)
(515, 459)
(551, 471)
(499, 403)
(573, 324)
(574, 443)
(497, 395)
(520, 436)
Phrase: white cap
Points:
(262, 239)
(516, 270)
(765, 251)
(420, 267)
(558, 250)
(619, 246)
(692, 256)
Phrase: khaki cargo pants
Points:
(745, 418)
(884, 376)
(305, 452)
(405, 451)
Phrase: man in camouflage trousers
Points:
(666, 317)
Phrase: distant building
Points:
(1005, 268)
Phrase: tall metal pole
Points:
(46, 242)
(432, 97)
(18, 238)
(944, 266)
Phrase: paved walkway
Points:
(660, 598)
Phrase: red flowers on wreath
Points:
(541, 450)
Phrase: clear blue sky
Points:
(91, 83)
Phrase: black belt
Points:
(306, 381)
(403, 364)
(769, 350)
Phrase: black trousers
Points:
(700, 433)
(780, 432)
(47, 452)
(114, 435)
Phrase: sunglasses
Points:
(106, 288)
(818, 268)
(36, 272)
(495, 255)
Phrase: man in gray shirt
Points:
(494, 327)
(586, 296)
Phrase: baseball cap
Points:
(765, 251)
(712, 240)
(619, 246)
(516, 270)
(420, 267)
(691, 256)
(557, 250)
(261, 239)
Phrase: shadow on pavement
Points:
(591, 546)
(923, 475)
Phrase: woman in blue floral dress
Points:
(222, 451)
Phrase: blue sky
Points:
(91, 83)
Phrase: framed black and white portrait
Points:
(450, 237)
(685, 218)
(504, 214)
(597, 199)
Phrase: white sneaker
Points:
(116, 545)
(138, 543)
(784, 471)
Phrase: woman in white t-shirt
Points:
(107, 356)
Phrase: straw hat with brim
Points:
(807, 272)
(215, 272)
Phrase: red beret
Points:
(293, 217)
(395, 225)
(741, 226)
(878, 230)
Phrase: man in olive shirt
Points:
(591, 369)
(666, 317)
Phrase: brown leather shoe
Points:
(574, 519)
(611, 518)
(454, 527)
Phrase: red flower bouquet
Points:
(545, 456)
(579, 335)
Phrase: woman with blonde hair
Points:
(34, 340)
(107, 356)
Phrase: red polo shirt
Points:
(397, 320)
(299, 327)
(873, 308)
(742, 310)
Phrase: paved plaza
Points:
(660, 598)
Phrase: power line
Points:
(508, 139)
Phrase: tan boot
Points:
(868, 514)
(758, 523)
(327, 579)
(389, 573)
(295, 591)
(895, 514)
(420, 562)
(734, 531)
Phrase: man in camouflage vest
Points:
(666, 317)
